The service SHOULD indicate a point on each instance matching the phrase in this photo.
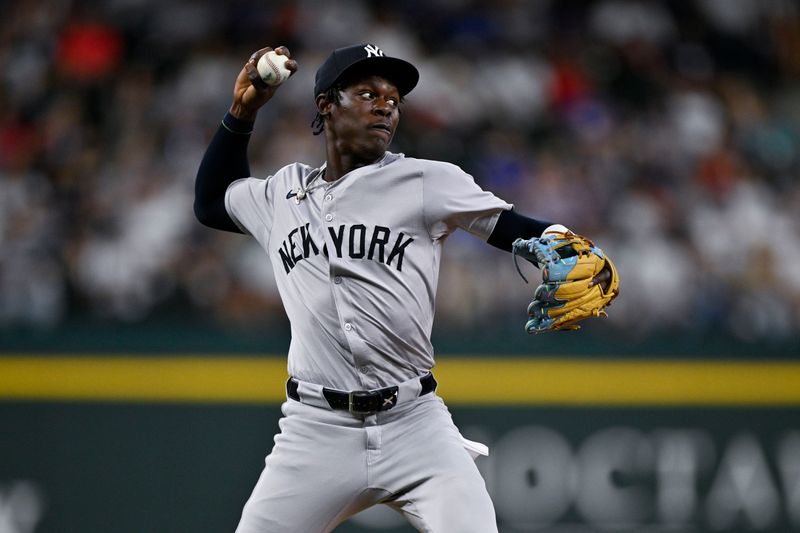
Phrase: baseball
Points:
(272, 68)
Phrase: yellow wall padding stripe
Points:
(180, 379)
(472, 381)
(622, 382)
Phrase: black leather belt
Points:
(363, 402)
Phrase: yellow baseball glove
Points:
(578, 280)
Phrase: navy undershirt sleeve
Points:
(511, 226)
(224, 162)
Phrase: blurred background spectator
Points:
(667, 131)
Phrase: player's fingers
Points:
(255, 56)
(255, 77)
(603, 279)
(291, 64)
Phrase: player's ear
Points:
(323, 104)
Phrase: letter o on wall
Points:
(533, 477)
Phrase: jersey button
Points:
(337, 280)
(348, 326)
(328, 217)
(328, 197)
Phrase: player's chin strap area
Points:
(360, 402)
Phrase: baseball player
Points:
(355, 244)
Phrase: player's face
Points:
(366, 118)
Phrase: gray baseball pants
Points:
(328, 465)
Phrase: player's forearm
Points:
(224, 162)
(511, 226)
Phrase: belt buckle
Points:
(355, 395)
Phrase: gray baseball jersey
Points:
(357, 260)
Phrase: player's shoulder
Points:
(293, 174)
(432, 166)
(295, 169)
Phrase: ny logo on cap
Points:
(373, 50)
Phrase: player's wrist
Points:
(237, 124)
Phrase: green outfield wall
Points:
(97, 443)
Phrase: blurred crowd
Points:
(668, 131)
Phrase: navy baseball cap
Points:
(370, 58)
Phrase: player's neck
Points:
(339, 164)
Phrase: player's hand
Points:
(603, 278)
(578, 280)
(249, 91)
